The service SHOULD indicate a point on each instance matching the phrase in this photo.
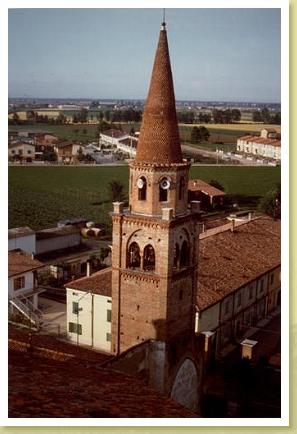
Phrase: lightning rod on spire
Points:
(163, 26)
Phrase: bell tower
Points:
(155, 240)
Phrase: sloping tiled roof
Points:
(21, 262)
(43, 387)
(228, 260)
(97, 283)
(159, 137)
(113, 133)
(199, 185)
(51, 378)
(261, 140)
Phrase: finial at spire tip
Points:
(163, 25)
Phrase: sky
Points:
(216, 54)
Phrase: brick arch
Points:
(185, 385)
(142, 239)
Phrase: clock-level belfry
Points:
(155, 240)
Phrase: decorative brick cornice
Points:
(144, 166)
(140, 276)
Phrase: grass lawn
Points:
(40, 196)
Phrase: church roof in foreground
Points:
(159, 137)
(46, 381)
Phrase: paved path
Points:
(54, 315)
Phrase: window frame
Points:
(21, 285)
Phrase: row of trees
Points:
(226, 116)
(267, 117)
(33, 117)
(217, 116)
(199, 134)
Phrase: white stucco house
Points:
(267, 145)
(111, 138)
(23, 288)
(89, 310)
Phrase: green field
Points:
(40, 196)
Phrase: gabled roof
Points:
(204, 187)
(21, 262)
(159, 137)
(229, 260)
(98, 283)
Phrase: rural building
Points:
(22, 238)
(67, 152)
(128, 146)
(239, 280)
(89, 310)
(45, 139)
(23, 288)
(111, 138)
(53, 239)
(206, 193)
(24, 152)
(267, 145)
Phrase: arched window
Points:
(184, 254)
(164, 186)
(141, 184)
(176, 256)
(149, 258)
(181, 190)
(133, 260)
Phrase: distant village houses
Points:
(267, 145)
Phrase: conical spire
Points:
(159, 138)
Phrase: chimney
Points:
(32, 255)
(88, 268)
(232, 225)
(118, 207)
(248, 349)
(167, 214)
(250, 216)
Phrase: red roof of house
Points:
(20, 262)
(97, 283)
(199, 185)
(261, 140)
(229, 260)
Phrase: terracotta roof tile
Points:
(199, 185)
(229, 260)
(97, 283)
(43, 382)
(20, 262)
(159, 137)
